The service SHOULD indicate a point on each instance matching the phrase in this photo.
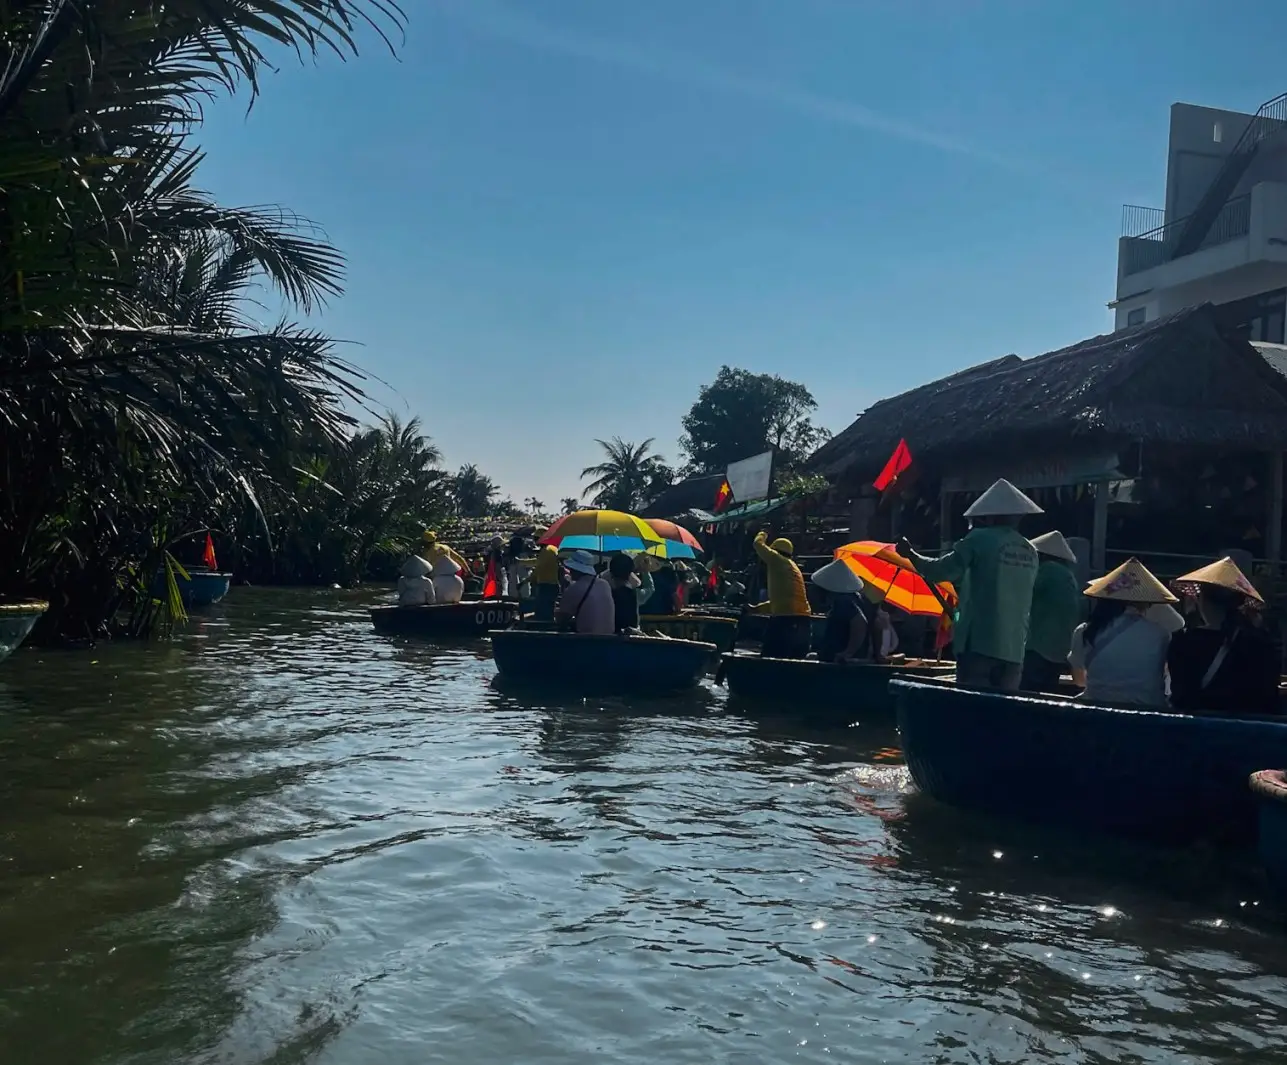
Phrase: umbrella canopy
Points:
(601, 530)
(668, 530)
(887, 576)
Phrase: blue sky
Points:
(562, 217)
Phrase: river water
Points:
(283, 839)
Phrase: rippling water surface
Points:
(284, 839)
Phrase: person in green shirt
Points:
(1056, 611)
(994, 569)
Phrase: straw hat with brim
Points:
(783, 546)
(1053, 545)
(581, 562)
(1222, 574)
(1131, 582)
(836, 577)
(1002, 500)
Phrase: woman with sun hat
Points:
(1119, 654)
(1227, 662)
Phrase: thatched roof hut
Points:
(695, 493)
(1179, 380)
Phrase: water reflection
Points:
(288, 840)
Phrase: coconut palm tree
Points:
(570, 504)
(474, 492)
(628, 476)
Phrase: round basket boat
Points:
(822, 690)
(1270, 789)
(616, 664)
(447, 620)
(16, 622)
(704, 628)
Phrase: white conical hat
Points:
(415, 566)
(1054, 545)
(445, 567)
(1002, 500)
(838, 578)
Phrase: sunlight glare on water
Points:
(284, 839)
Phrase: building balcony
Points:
(1244, 252)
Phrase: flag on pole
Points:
(723, 497)
(491, 586)
(712, 579)
(898, 464)
(208, 555)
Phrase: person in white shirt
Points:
(1119, 654)
(414, 586)
(586, 604)
(448, 588)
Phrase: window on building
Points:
(1217, 133)
(1259, 317)
(1136, 316)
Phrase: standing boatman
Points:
(1056, 610)
(787, 632)
(994, 568)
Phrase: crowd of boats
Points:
(1170, 770)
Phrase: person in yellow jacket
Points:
(545, 575)
(431, 549)
(787, 633)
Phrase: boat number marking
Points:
(490, 617)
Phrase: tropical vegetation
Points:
(629, 477)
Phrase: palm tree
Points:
(623, 481)
(475, 493)
(570, 504)
(534, 505)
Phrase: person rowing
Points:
(1057, 609)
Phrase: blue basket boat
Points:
(1158, 775)
(695, 625)
(610, 664)
(16, 622)
(200, 588)
(822, 691)
(465, 619)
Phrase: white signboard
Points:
(749, 479)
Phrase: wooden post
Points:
(944, 519)
(1099, 535)
(1274, 535)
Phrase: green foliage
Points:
(741, 414)
(629, 478)
(474, 493)
(570, 504)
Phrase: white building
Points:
(1222, 236)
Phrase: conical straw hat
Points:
(1054, 545)
(838, 578)
(1225, 574)
(1002, 500)
(1131, 582)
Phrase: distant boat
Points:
(822, 691)
(1269, 786)
(615, 664)
(16, 622)
(200, 588)
(1154, 774)
(693, 625)
(468, 618)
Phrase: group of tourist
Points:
(1023, 620)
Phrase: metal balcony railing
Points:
(1158, 245)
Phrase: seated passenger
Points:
(846, 634)
(586, 604)
(1119, 655)
(414, 585)
(625, 593)
(448, 588)
(1226, 662)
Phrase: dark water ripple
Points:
(286, 840)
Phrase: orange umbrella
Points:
(668, 530)
(887, 576)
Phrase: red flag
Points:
(712, 581)
(898, 464)
(208, 555)
(491, 586)
(723, 497)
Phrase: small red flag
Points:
(712, 581)
(208, 555)
(898, 464)
(723, 497)
(491, 586)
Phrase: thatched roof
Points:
(694, 493)
(1177, 380)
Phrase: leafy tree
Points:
(570, 504)
(474, 492)
(629, 477)
(534, 505)
(741, 414)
